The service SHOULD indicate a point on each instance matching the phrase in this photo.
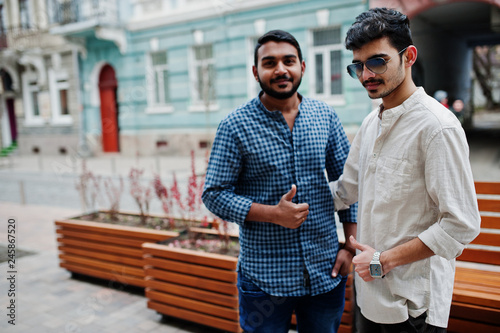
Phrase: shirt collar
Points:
(402, 108)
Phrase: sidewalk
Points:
(47, 299)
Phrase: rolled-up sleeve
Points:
(450, 185)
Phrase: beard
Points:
(280, 94)
(387, 86)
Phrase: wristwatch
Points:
(376, 267)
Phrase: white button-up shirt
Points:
(411, 174)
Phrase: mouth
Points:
(281, 81)
(372, 85)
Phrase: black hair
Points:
(276, 36)
(377, 23)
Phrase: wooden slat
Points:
(490, 222)
(104, 265)
(195, 257)
(487, 187)
(194, 293)
(476, 298)
(488, 205)
(103, 256)
(475, 313)
(196, 317)
(191, 269)
(131, 252)
(192, 281)
(480, 256)
(133, 232)
(486, 238)
(193, 305)
(129, 242)
(121, 278)
(463, 326)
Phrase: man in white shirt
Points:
(409, 169)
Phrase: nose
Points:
(280, 68)
(366, 74)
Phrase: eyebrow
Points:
(380, 55)
(273, 57)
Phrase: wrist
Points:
(349, 248)
(385, 261)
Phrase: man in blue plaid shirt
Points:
(267, 174)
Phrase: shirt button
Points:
(374, 155)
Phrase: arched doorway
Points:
(109, 110)
(446, 33)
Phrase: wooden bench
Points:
(476, 295)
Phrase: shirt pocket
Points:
(394, 179)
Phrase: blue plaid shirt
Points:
(256, 158)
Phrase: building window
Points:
(59, 87)
(159, 100)
(253, 87)
(203, 78)
(24, 15)
(31, 98)
(327, 64)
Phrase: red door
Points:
(109, 109)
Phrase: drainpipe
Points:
(83, 148)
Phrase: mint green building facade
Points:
(182, 66)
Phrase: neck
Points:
(400, 94)
(283, 105)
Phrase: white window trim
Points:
(325, 50)
(152, 107)
(197, 104)
(253, 87)
(55, 86)
(30, 118)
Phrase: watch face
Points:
(375, 270)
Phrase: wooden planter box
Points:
(192, 285)
(106, 251)
(201, 287)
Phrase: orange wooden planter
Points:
(192, 285)
(106, 251)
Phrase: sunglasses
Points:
(375, 65)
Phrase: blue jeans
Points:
(263, 313)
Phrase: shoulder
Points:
(437, 117)
(240, 114)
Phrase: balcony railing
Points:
(75, 11)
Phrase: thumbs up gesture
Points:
(289, 214)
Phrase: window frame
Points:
(152, 85)
(197, 102)
(325, 51)
(29, 82)
(58, 81)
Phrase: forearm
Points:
(350, 229)
(261, 213)
(411, 251)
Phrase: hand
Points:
(342, 263)
(362, 261)
(291, 215)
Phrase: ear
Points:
(255, 73)
(303, 65)
(410, 56)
